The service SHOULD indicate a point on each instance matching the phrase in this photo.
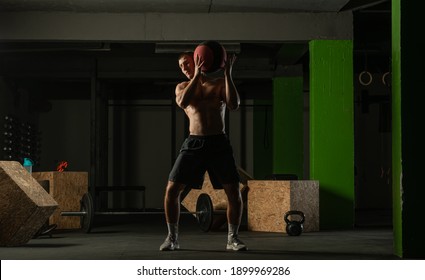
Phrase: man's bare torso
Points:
(206, 109)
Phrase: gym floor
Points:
(138, 238)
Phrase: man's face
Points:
(187, 66)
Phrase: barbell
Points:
(204, 212)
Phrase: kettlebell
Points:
(294, 228)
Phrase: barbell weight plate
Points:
(204, 209)
(87, 206)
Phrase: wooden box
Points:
(268, 202)
(24, 205)
(67, 188)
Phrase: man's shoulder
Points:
(182, 84)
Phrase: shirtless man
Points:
(204, 100)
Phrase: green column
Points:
(396, 128)
(288, 126)
(332, 130)
(408, 143)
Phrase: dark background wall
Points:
(47, 81)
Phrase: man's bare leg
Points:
(234, 216)
(172, 215)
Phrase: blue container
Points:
(28, 163)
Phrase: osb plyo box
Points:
(268, 202)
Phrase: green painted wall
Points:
(332, 130)
(288, 126)
(262, 139)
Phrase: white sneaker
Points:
(169, 245)
(236, 245)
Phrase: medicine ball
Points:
(213, 54)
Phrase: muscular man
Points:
(204, 100)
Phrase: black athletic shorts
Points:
(198, 154)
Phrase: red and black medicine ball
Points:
(213, 54)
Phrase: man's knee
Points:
(174, 189)
(233, 192)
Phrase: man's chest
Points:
(209, 91)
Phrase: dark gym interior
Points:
(98, 97)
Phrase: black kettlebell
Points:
(294, 228)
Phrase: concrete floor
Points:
(138, 238)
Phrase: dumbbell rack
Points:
(19, 140)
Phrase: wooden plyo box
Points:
(67, 188)
(24, 205)
(268, 202)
